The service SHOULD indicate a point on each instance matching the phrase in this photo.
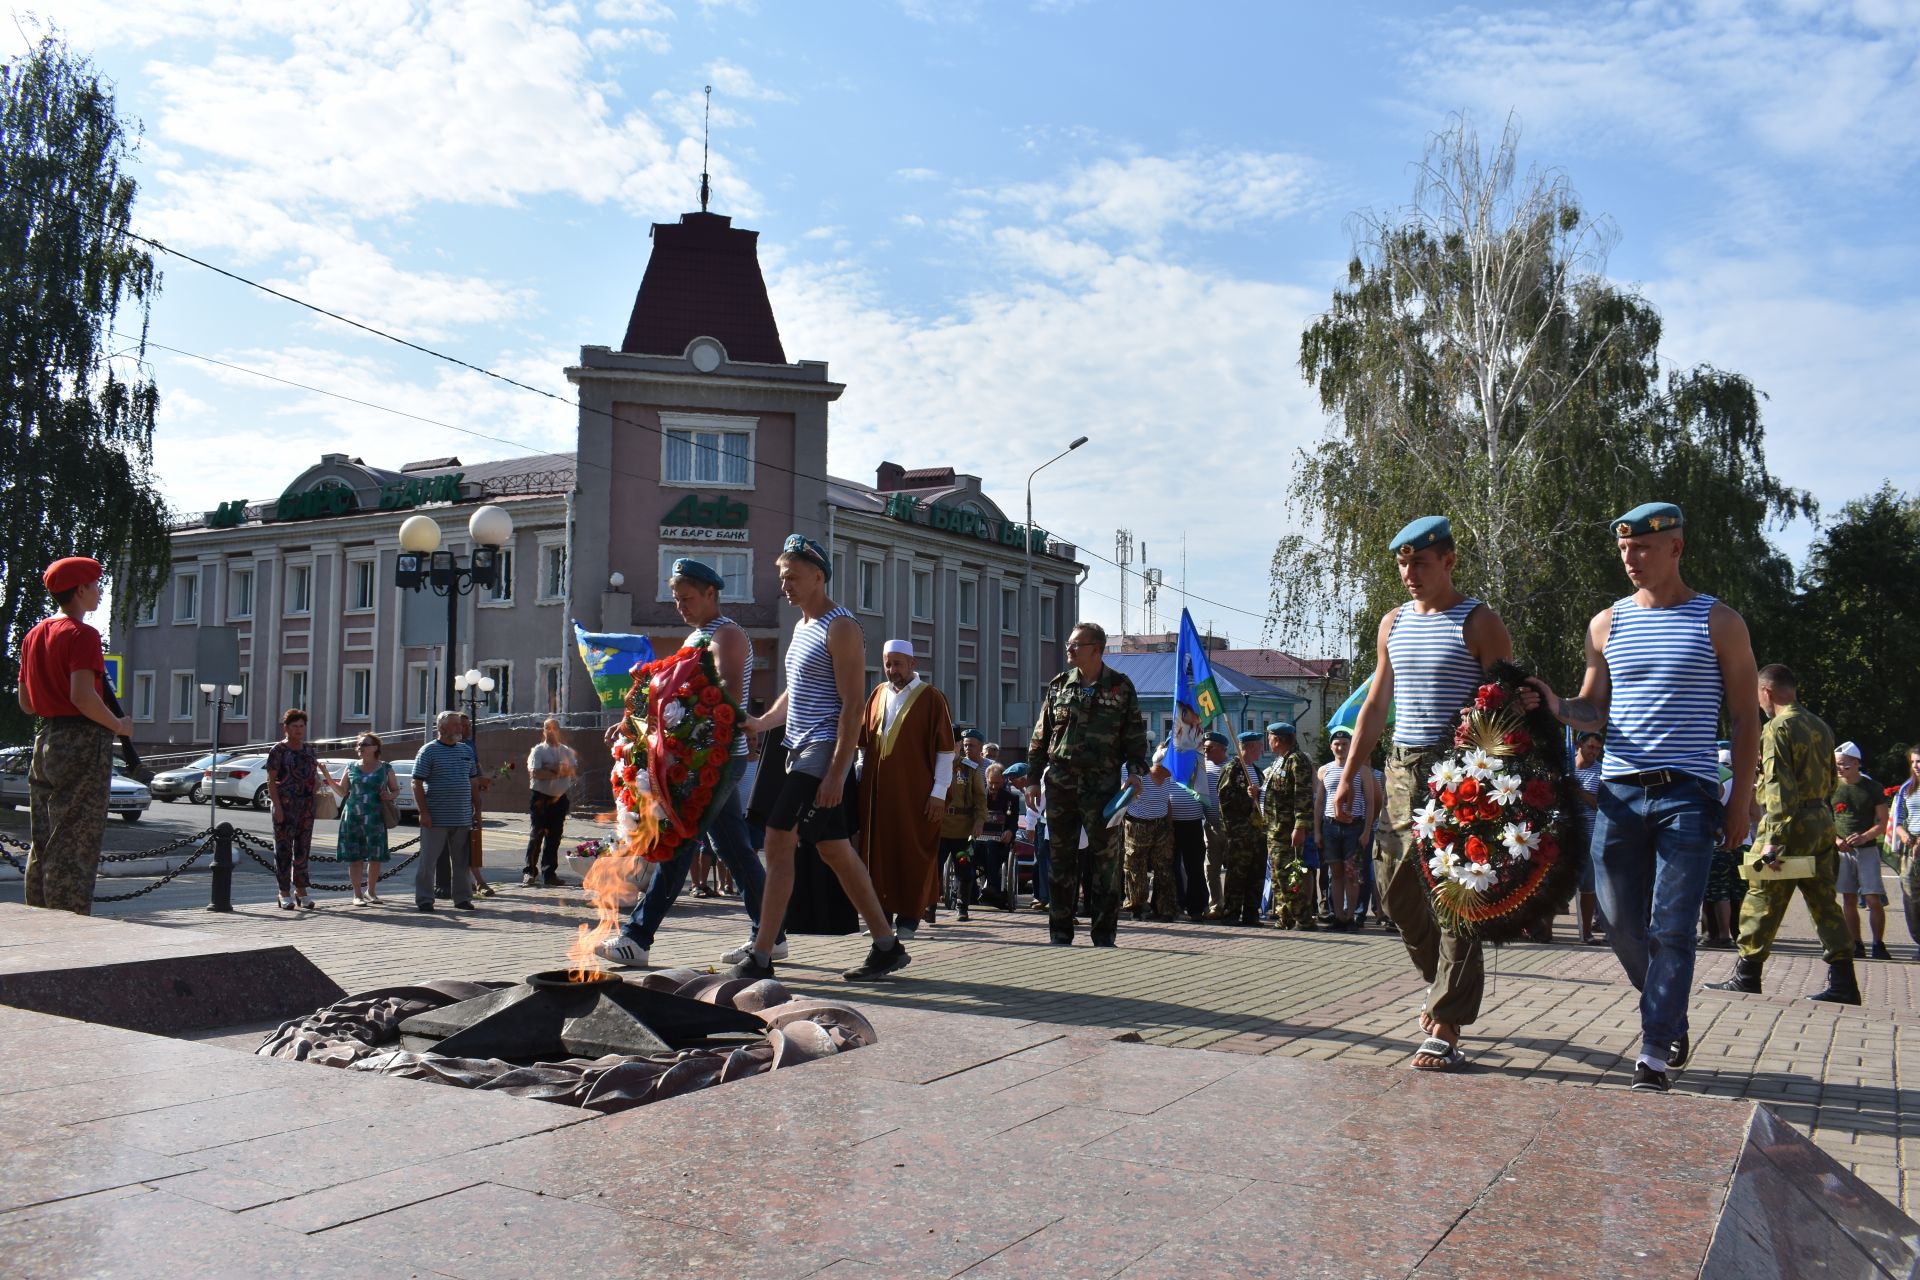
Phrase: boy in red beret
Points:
(63, 677)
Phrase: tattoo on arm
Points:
(1580, 713)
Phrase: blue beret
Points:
(1015, 771)
(695, 571)
(807, 549)
(1648, 517)
(1340, 731)
(1217, 739)
(1424, 532)
(1283, 727)
(1251, 735)
(975, 734)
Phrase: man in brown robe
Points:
(906, 754)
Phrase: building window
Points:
(1047, 606)
(734, 566)
(1010, 609)
(501, 592)
(870, 596)
(499, 699)
(969, 603)
(966, 703)
(553, 573)
(183, 695)
(422, 702)
(186, 597)
(839, 570)
(237, 708)
(547, 677)
(362, 582)
(1006, 702)
(923, 595)
(299, 589)
(148, 613)
(240, 594)
(293, 686)
(359, 694)
(706, 450)
(143, 695)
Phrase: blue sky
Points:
(1002, 224)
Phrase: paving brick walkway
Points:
(1555, 1013)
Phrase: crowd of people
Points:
(1689, 839)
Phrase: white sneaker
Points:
(623, 951)
(359, 899)
(740, 953)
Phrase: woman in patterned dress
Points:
(294, 775)
(363, 828)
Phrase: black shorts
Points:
(792, 808)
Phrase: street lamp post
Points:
(475, 687)
(1030, 633)
(422, 564)
(218, 704)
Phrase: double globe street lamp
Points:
(218, 704)
(475, 687)
(422, 564)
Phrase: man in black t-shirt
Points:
(1859, 819)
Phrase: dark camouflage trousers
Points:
(1069, 812)
(1766, 905)
(1293, 888)
(1453, 966)
(1245, 872)
(1150, 886)
(67, 782)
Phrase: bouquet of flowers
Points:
(672, 745)
(1494, 839)
(588, 849)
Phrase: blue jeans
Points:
(1042, 866)
(727, 833)
(1654, 848)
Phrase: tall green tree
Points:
(76, 435)
(1856, 646)
(1480, 365)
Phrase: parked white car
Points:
(125, 796)
(241, 780)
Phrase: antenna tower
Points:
(1123, 556)
(706, 137)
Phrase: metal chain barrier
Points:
(202, 838)
(206, 844)
(250, 844)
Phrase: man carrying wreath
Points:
(1433, 653)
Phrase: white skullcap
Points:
(1848, 749)
(897, 646)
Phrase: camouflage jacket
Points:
(1796, 777)
(1236, 806)
(1087, 730)
(1286, 799)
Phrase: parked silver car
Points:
(125, 796)
(185, 781)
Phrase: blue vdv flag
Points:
(1196, 703)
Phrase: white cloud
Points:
(1142, 197)
(736, 81)
(917, 175)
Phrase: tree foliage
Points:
(1479, 365)
(1854, 642)
(76, 437)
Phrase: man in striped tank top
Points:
(1660, 663)
(1433, 652)
(696, 588)
(820, 710)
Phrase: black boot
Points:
(1842, 986)
(1746, 978)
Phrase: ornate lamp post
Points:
(422, 564)
(219, 704)
(475, 687)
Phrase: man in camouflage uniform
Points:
(1286, 802)
(1149, 851)
(1217, 747)
(1796, 777)
(1090, 728)
(1246, 846)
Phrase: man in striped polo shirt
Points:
(1433, 652)
(1660, 663)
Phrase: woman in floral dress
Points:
(294, 775)
(363, 828)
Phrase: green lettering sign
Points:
(718, 512)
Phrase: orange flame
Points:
(613, 881)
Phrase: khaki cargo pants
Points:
(1453, 966)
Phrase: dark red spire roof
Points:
(704, 280)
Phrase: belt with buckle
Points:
(1653, 778)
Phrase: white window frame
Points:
(355, 566)
(540, 593)
(181, 585)
(173, 697)
(918, 578)
(499, 702)
(879, 568)
(421, 709)
(234, 575)
(148, 614)
(1049, 601)
(967, 617)
(1009, 622)
(966, 702)
(288, 606)
(500, 594)
(287, 702)
(725, 422)
(707, 555)
(143, 680)
(347, 711)
(553, 692)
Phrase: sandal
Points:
(1435, 1047)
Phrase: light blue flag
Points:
(610, 658)
(1196, 703)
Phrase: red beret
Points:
(72, 571)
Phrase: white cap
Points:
(1848, 749)
(897, 646)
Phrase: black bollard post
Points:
(222, 868)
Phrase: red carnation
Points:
(1489, 810)
(723, 714)
(1537, 794)
(710, 695)
(701, 797)
(1468, 791)
(1549, 849)
(1476, 849)
(630, 773)
(701, 710)
(1447, 799)
(1891, 791)
(709, 777)
(1490, 697)
(1443, 837)
(677, 773)
(1520, 740)
(1463, 733)
(1840, 806)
